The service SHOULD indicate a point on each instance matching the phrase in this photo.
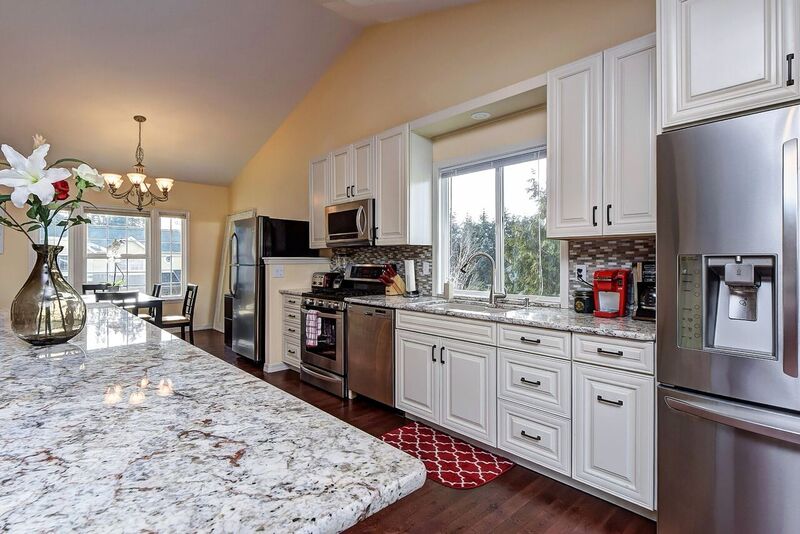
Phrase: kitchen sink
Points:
(466, 307)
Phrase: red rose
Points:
(62, 190)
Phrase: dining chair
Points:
(187, 318)
(93, 288)
(151, 312)
(123, 299)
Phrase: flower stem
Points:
(19, 226)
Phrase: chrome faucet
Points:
(493, 295)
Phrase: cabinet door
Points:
(391, 152)
(318, 172)
(469, 399)
(629, 157)
(725, 56)
(613, 444)
(574, 148)
(341, 175)
(417, 374)
(363, 169)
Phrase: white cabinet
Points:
(469, 389)
(318, 176)
(417, 374)
(447, 382)
(725, 56)
(612, 429)
(352, 175)
(601, 128)
(574, 148)
(341, 174)
(629, 154)
(404, 188)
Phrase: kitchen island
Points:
(128, 428)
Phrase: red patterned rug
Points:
(449, 460)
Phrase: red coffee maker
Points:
(611, 292)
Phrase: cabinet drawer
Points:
(453, 327)
(614, 352)
(291, 316)
(538, 340)
(538, 381)
(291, 301)
(291, 329)
(291, 352)
(536, 436)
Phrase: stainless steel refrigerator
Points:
(727, 338)
(252, 240)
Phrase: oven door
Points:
(349, 224)
(328, 352)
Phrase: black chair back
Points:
(155, 293)
(189, 300)
(93, 288)
(118, 298)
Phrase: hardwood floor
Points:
(518, 501)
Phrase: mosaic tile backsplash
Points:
(607, 254)
(395, 255)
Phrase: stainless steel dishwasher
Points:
(370, 352)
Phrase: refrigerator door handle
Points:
(741, 417)
(234, 263)
(789, 245)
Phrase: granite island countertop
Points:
(85, 448)
(535, 316)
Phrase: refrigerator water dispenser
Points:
(740, 305)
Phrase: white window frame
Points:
(441, 239)
(78, 237)
(155, 250)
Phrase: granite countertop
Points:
(84, 448)
(536, 316)
(294, 292)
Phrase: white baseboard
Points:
(275, 367)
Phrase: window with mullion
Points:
(117, 250)
(172, 272)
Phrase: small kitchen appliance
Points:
(323, 355)
(351, 224)
(611, 292)
(644, 290)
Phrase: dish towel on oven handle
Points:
(313, 328)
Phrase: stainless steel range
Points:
(323, 339)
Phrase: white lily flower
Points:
(90, 175)
(28, 176)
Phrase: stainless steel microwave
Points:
(351, 224)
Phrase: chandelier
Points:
(138, 194)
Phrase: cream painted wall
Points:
(404, 70)
(207, 206)
(525, 128)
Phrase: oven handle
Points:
(318, 375)
(336, 316)
(741, 417)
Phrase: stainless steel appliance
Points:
(727, 326)
(644, 290)
(351, 224)
(324, 362)
(370, 352)
(252, 240)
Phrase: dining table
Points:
(143, 301)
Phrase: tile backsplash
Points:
(607, 254)
(395, 255)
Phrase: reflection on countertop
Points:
(128, 427)
(535, 316)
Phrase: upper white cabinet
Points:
(574, 148)
(629, 140)
(404, 214)
(725, 56)
(318, 177)
(352, 174)
(601, 128)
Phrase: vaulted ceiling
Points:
(214, 78)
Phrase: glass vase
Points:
(47, 310)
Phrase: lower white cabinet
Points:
(613, 429)
(447, 382)
(533, 435)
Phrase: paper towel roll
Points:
(411, 280)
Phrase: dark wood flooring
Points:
(518, 501)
